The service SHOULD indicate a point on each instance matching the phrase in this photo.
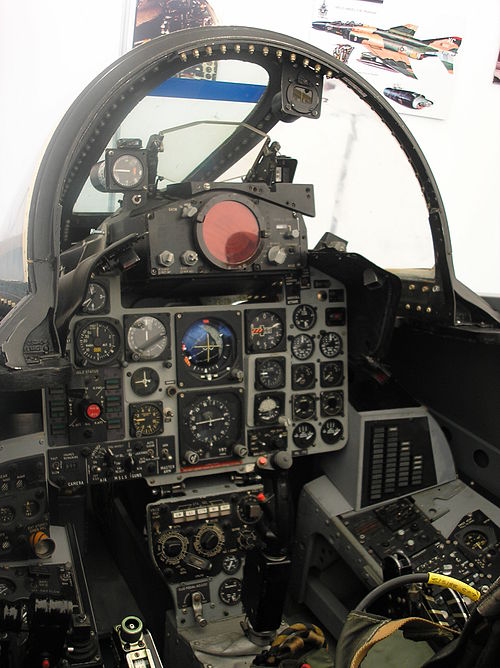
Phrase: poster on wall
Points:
(496, 73)
(407, 52)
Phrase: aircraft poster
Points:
(407, 53)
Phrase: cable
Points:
(424, 578)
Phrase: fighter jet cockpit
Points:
(240, 384)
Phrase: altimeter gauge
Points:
(97, 342)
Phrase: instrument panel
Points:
(181, 391)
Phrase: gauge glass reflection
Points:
(147, 338)
(208, 348)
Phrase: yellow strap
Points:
(453, 583)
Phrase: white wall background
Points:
(50, 50)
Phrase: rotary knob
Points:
(276, 255)
(172, 547)
(247, 539)
(209, 540)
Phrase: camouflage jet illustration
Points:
(392, 48)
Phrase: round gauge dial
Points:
(270, 373)
(331, 374)
(95, 299)
(147, 338)
(265, 331)
(304, 406)
(172, 547)
(98, 342)
(208, 348)
(304, 435)
(145, 420)
(209, 420)
(303, 376)
(302, 346)
(230, 591)
(331, 431)
(475, 540)
(7, 514)
(144, 381)
(332, 403)
(209, 540)
(127, 171)
(268, 408)
(304, 317)
(231, 564)
(330, 344)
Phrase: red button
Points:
(45, 663)
(262, 461)
(261, 497)
(93, 411)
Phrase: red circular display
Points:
(230, 233)
(93, 411)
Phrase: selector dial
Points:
(247, 539)
(209, 540)
(249, 509)
(172, 547)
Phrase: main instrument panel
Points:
(175, 392)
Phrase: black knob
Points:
(172, 547)
(209, 540)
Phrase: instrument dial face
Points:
(331, 431)
(302, 346)
(208, 348)
(303, 376)
(145, 420)
(304, 435)
(330, 344)
(304, 406)
(268, 408)
(332, 403)
(7, 514)
(95, 299)
(270, 373)
(231, 564)
(147, 338)
(98, 342)
(331, 374)
(127, 171)
(304, 317)
(265, 331)
(476, 540)
(144, 381)
(209, 421)
(230, 591)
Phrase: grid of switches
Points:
(392, 464)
